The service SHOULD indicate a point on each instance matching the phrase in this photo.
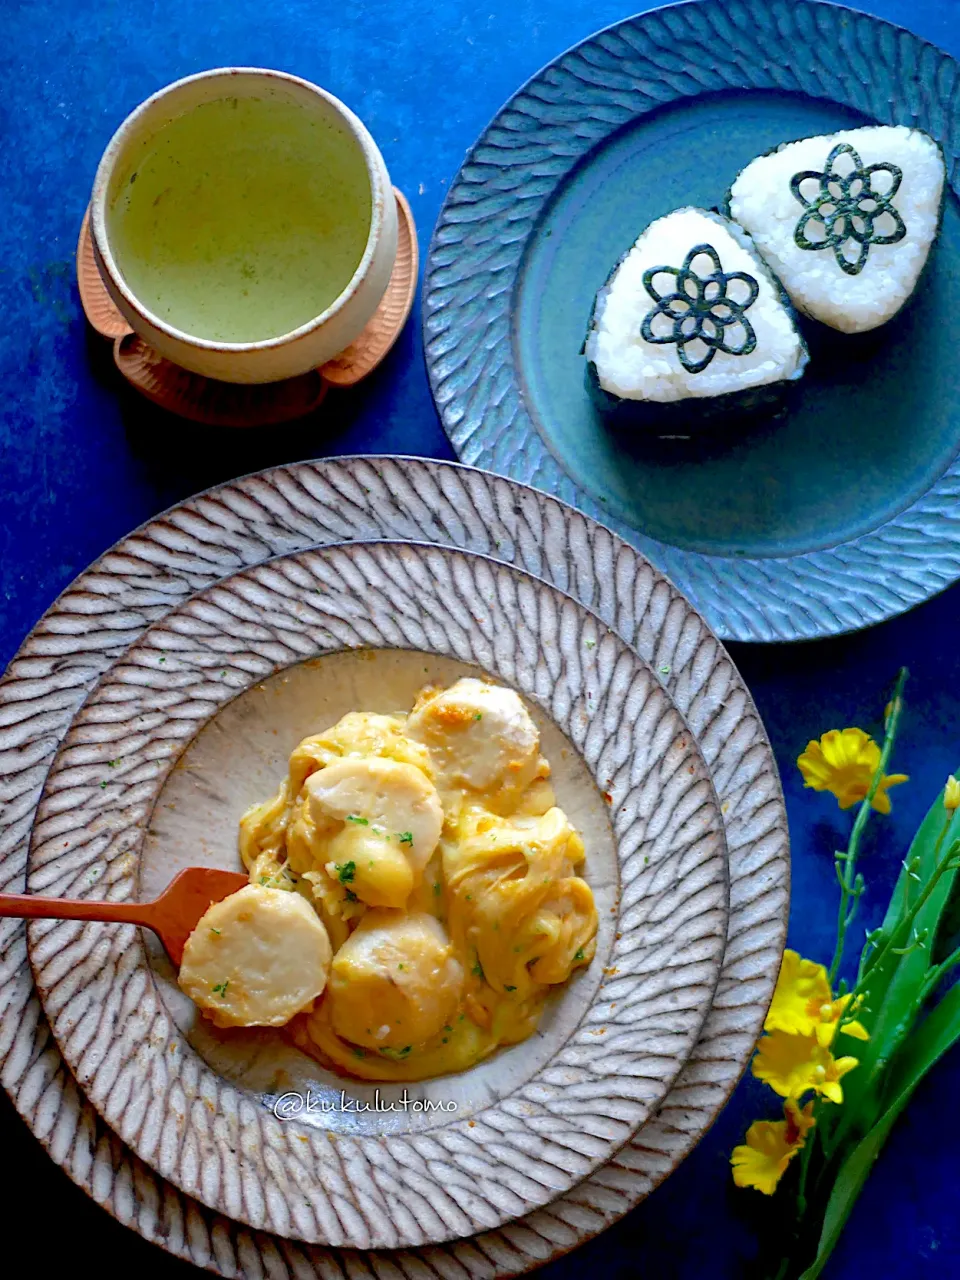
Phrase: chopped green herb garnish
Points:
(361, 1053)
(437, 888)
(346, 872)
(468, 897)
(509, 988)
(351, 896)
(447, 1027)
(103, 784)
(405, 837)
(112, 764)
(396, 1053)
(361, 822)
(221, 988)
(477, 970)
(216, 931)
(590, 644)
(478, 716)
(264, 879)
(401, 966)
(578, 954)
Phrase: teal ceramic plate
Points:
(839, 514)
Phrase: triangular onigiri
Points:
(691, 313)
(846, 220)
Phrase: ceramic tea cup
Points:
(244, 223)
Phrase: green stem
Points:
(805, 1156)
(941, 837)
(936, 973)
(783, 1269)
(862, 988)
(912, 874)
(872, 950)
(849, 859)
(940, 870)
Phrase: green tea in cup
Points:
(241, 219)
(244, 224)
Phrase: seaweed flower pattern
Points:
(847, 207)
(704, 318)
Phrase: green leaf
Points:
(938, 1032)
(948, 934)
(922, 849)
(892, 985)
(853, 1174)
(921, 1051)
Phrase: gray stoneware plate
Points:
(833, 516)
(193, 724)
(289, 508)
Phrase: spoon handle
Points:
(30, 906)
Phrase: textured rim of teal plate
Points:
(831, 52)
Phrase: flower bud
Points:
(951, 795)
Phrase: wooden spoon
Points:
(172, 917)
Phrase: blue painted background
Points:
(81, 462)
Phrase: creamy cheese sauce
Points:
(433, 855)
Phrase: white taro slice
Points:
(256, 959)
(846, 220)
(691, 313)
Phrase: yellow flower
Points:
(799, 1123)
(792, 1065)
(803, 1003)
(844, 762)
(802, 988)
(770, 1146)
(828, 1022)
(951, 795)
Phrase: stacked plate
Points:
(204, 636)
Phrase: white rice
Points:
(761, 201)
(630, 367)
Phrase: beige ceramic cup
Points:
(320, 338)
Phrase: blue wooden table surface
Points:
(81, 463)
